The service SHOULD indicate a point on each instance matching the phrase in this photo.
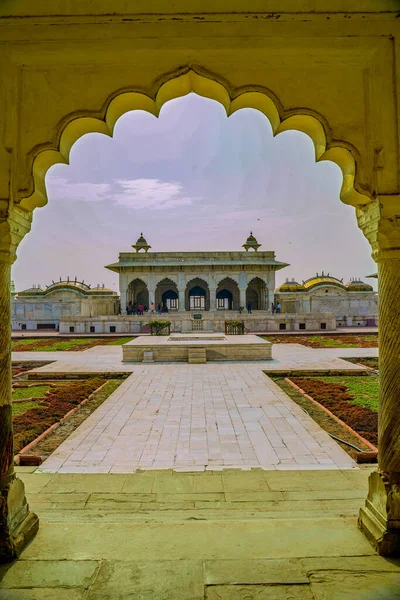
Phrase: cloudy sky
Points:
(191, 180)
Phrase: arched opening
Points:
(137, 295)
(197, 292)
(256, 294)
(167, 295)
(227, 295)
(197, 295)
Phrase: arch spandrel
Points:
(179, 85)
(233, 278)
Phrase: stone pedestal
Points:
(17, 524)
(380, 518)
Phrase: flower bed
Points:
(53, 406)
(337, 397)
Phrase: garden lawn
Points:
(73, 344)
(36, 391)
(21, 407)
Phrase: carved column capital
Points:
(15, 223)
(380, 222)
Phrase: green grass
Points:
(365, 390)
(38, 391)
(21, 407)
(64, 345)
(120, 341)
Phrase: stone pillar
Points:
(270, 299)
(123, 301)
(152, 296)
(213, 298)
(380, 518)
(181, 291)
(242, 297)
(17, 524)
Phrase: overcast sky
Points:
(192, 180)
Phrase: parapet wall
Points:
(212, 322)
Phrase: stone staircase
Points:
(197, 356)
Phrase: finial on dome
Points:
(141, 244)
(251, 242)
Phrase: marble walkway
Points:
(197, 417)
(194, 418)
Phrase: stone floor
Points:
(233, 535)
(196, 417)
(109, 359)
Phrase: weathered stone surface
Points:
(44, 594)
(254, 571)
(331, 585)
(48, 574)
(166, 580)
(259, 592)
(261, 538)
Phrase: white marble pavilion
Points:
(197, 281)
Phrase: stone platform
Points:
(181, 347)
(193, 536)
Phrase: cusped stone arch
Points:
(167, 294)
(257, 294)
(181, 83)
(197, 294)
(137, 293)
(227, 294)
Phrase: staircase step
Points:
(197, 356)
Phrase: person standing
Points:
(152, 307)
(249, 307)
(278, 307)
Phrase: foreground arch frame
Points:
(333, 75)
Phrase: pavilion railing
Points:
(234, 327)
(159, 327)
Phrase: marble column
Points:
(380, 518)
(213, 298)
(17, 524)
(181, 291)
(242, 297)
(122, 301)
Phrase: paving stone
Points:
(260, 538)
(259, 592)
(113, 499)
(331, 585)
(48, 574)
(166, 580)
(44, 594)
(254, 571)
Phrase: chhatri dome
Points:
(251, 242)
(141, 244)
(291, 286)
(356, 285)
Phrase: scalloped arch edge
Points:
(181, 84)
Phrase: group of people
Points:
(276, 309)
(134, 308)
